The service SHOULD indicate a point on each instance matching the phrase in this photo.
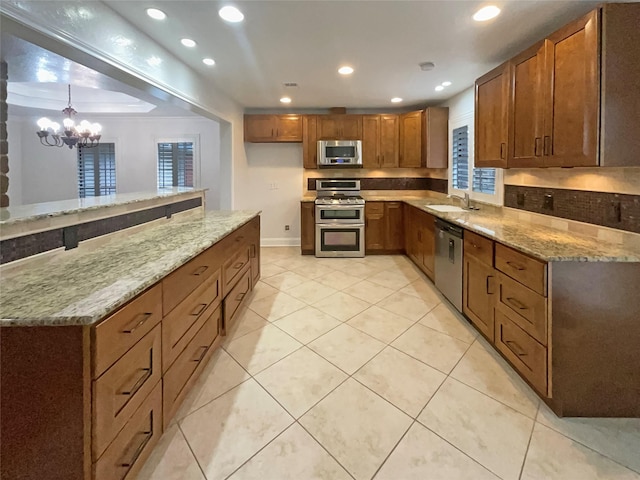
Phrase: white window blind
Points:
(175, 164)
(96, 170)
(484, 180)
(460, 169)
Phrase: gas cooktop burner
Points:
(340, 200)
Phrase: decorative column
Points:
(4, 143)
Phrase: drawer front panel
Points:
(479, 247)
(126, 455)
(122, 389)
(525, 307)
(234, 267)
(234, 299)
(178, 285)
(526, 355)
(194, 355)
(118, 333)
(524, 269)
(179, 327)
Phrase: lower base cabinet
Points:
(479, 284)
(307, 228)
(384, 232)
(419, 239)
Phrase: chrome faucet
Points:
(466, 202)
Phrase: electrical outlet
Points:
(286, 227)
(273, 186)
(548, 201)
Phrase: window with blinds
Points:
(97, 170)
(484, 180)
(175, 164)
(460, 151)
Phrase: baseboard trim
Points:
(280, 242)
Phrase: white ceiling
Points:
(306, 41)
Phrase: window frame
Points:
(195, 139)
(98, 186)
(498, 197)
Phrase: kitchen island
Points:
(101, 344)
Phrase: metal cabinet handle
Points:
(205, 349)
(240, 296)
(502, 150)
(139, 383)
(253, 250)
(200, 310)
(200, 270)
(240, 238)
(515, 303)
(515, 348)
(517, 266)
(489, 278)
(140, 448)
(137, 323)
(547, 145)
(272, 132)
(238, 265)
(536, 150)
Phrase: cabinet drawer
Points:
(119, 392)
(192, 358)
(178, 285)
(118, 333)
(234, 267)
(526, 270)
(126, 455)
(524, 307)
(525, 354)
(479, 247)
(233, 300)
(376, 208)
(184, 321)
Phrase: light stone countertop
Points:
(27, 213)
(84, 285)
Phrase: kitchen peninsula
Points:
(100, 344)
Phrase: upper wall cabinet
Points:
(272, 128)
(309, 141)
(339, 127)
(380, 141)
(424, 138)
(573, 97)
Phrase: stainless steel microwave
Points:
(339, 153)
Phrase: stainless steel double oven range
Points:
(339, 218)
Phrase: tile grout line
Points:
(204, 475)
(393, 449)
(526, 452)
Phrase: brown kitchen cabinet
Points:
(491, 107)
(273, 128)
(307, 228)
(420, 243)
(424, 138)
(411, 140)
(479, 283)
(383, 227)
(309, 141)
(339, 127)
(380, 136)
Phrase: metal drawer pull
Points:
(238, 265)
(517, 266)
(200, 270)
(515, 348)
(138, 385)
(514, 302)
(240, 238)
(140, 448)
(137, 323)
(200, 310)
(489, 277)
(240, 296)
(205, 349)
(536, 151)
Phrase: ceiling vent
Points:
(290, 84)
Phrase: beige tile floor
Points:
(357, 368)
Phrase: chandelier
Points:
(85, 134)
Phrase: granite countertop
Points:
(25, 213)
(82, 286)
(546, 243)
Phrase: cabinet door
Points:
(289, 128)
(411, 140)
(572, 94)
(526, 108)
(436, 137)
(388, 144)
(370, 141)
(428, 243)
(307, 227)
(329, 127)
(309, 142)
(411, 229)
(374, 220)
(394, 238)
(259, 128)
(479, 286)
(351, 128)
(492, 103)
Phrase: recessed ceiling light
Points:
(187, 42)
(285, 100)
(345, 70)
(156, 14)
(439, 88)
(209, 61)
(446, 84)
(396, 100)
(486, 13)
(231, 14)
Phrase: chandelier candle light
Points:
(85, 134)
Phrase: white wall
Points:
(460, 105)
(50, 173)
(266, 166)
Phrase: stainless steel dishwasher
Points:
(448, 263)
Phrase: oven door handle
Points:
(340, 225)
